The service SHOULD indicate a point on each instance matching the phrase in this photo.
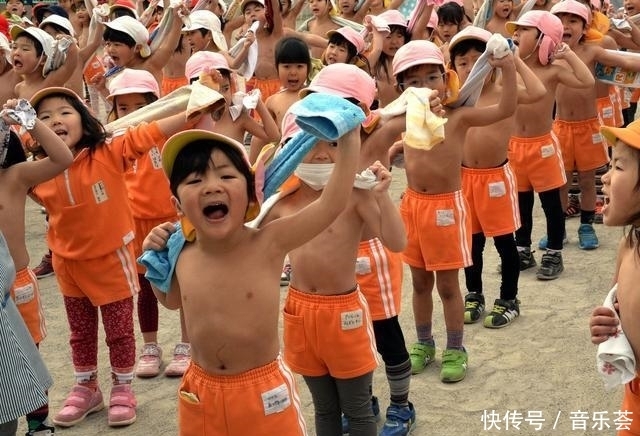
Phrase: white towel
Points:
(615, 360)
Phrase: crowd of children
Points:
(184, 186)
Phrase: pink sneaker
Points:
(122, 406)
(80, 402)
(150, 361)
(180, 361)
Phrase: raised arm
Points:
(581, 76)
(533, 89)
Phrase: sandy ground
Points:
(541, 366)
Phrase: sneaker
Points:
(80, 402)
(573, 207)
(544, 241)
(45, 268)
(421, 355)
(504, 312)
(150, 361)
(550, 266)
(180, 361)
(598, 219)
(401, 420)
(526, 259)
(375, 408)
(588, 240)
(122, 406)
(473, 307)
(285, 277)
(454, 365)
(41, 430)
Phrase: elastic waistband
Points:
(443, 196)
(529, 139)
(493, 170)
(306, 298)
(244, 379)
(579, 122)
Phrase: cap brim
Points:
(626, 135)
(511, 27)
(180, 140)
(38, 96)
(131, 90)
(16, 30)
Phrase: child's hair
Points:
(463, 47)
(196, 158)
(341, 41)
(292, 50)
(149, 97)
(36, 44)
(451, 13)
(15, 151)
(112, 35)
(93, 132)
(383, 59)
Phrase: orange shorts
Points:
(606, 111)
(615, 94)
(267, 87)
(583, 147)
(635, 95)
(143, 227)
(329, 334)
(492, 197)
(379, 275)
(263, 401)
(102, 280)
(537, 163)
(170, 84)
(631, 404)
(438, 230)
(26, 294)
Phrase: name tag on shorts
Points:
(497, 189)
(156, 158)
(276, 400)
(547, 150)
(24, 294)
(351, 320)
(445, 217)
(363, 265)
(100, 192)
(596, 138)
(607, 112)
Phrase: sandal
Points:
(80, 402)
(122, 406)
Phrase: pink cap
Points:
(343, 80)
(416, 52)
(289, 127)
(469, 32)
(393, 17)
(135, 29)
(131, 81)
(572, 7)
(351, 35)
(433, 20)
(201, 60)
(548, 24)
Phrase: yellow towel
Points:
(424, 129)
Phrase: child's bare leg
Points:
(423, 352)
(454, 357)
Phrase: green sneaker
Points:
(421, 355)
(473, 307)
(454, 365)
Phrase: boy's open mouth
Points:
(216, 211)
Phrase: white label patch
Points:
(547, 150)
(351, 320)
(100, 192)
(363, 265)
(497, 189)
(276, 400)
(596, 138)
(607, 112)
(156, 158)
(445, 217)
(128, 237)
(24, 294)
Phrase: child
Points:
(17, 176)
(577, 124)
(433, 207)
(502, 12)
(533, 152)
(150, 202)
(7, 75)
(345, 46)
(337, 362)
(32, 47)
(214, 188)
(86, 205)
(320, 23)
(620, 186)
(232, 125)
(488, 183)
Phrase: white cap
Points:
(43, 37)
(135, 29)
(204, 19)
(58, 21)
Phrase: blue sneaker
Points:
(542, 244)
(401, 420)
(587, 237)
(375, 408)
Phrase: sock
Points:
(423, 332)
(454, 340)
(399, 378)
(587, 216)
(122, 378)
(88, 379)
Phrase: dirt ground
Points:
(540, 371)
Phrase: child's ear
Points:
(176, 204)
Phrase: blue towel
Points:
(161, 264)
(284, 164)
(327, 116)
